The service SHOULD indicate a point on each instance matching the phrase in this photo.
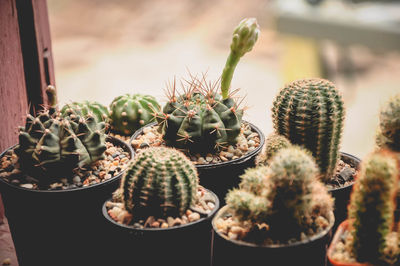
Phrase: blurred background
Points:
(104, 48)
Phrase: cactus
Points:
(372, 205)
(159, 182)
(99, 111)
(200, 119)
(273, 144)
(310, 113)
(130, 112)
(389, 131)
(52, 146)
(283, 194)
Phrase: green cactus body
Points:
(372, 206)
(282, 194)
(99, 111)
(159, 182)
(273, 144)
(389, 133)
(52, 146)
(130, 112)
(310, 113)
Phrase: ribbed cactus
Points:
(130, 112)
(282, 194)
(389, 130)
(99, 111)
(372, 206)
(310, 113)
(52, 146)
(200, 119)
(273, 144)
(160, 181)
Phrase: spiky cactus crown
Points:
(159, 182)
(95, 109)
(283, 195)
(310, 113)
(389, 130)
(51, 146)
(130, 112)
(273, 144)
(372, 206)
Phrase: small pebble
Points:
(28, 186)
(194, 216)
(164, 225)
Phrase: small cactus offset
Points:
(201, 119)
(99, 111)
(310, 113)
(389, 130)
(130, 112)
(160, 181)
(372, 205)
(53, 146)
(282, 194)
(273, 144)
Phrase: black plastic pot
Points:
(188, 244)
(233, 252)
(342, 194)
(220, 177)
(58, 227)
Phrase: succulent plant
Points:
(310, 113)
(130, 112)
(52, 145)
(160, 181)
(273, 144)
(200, 119)
(99, 111)
(389, 131)
(372, 205)
(285, 194)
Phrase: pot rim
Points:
(240, 160)
(77, 189)
(357, 167)
(320, 235)
(211, 214)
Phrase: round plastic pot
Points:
(57, 227)
(342, 194)
(188, 244)
(220, 177)
(233, 252)
(336, 239)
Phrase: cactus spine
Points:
(130, 112)
(310, 113)
(389, 131)
(372, 206)
(160, 181)
(200, 119)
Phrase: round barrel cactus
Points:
(310, 113)
(159, 182)
(99, 111)
(130, 112)
(389, 122)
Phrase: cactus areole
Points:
(199, 118)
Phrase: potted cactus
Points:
(310, 113)
(160, 213)
(368, 237)
(53, 181)
(280, 213)
(207, 124)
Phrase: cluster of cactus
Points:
(159, 182)
(53, 145)
(273, 144)
(286, 194)
(389, 128)
(200, 119)
(310, 113)
(372, 206)
(97, 110)
(130, 112)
